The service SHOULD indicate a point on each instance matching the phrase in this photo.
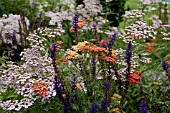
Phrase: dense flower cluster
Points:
(63, 60)
(134, 77)
(143, 107)
(93, 108)
(59, 17)
(133, 14)
(40, 88)
(165, 65)
(117, 110)
(81, 44)
(10, 26)
(72, 55)
(90, 8)
(108, 59)
(116, 98)
(94, 49)
(22, 77)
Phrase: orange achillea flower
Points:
(64, 60)
(93, 48)
(40, 88)
(80, 24)
(134, 77)
(72, 55)
(108, 59)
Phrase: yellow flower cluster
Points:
(116, 98)
(72, 55)
(81, 44)
(117, 110)
(113, 53)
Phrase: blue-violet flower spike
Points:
(165, 65)
(107, 85)
(93, 108)
(104, 104)
(128, 52)
(143, 107)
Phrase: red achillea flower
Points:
(63, 60)
(40, 88)
(93, 48)
(108, 59)
(134, 77)
(149, 47)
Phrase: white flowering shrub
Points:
(36, 66)
(13, 28)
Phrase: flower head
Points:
(134, 78)
(128, 52)
(112, 39)
(40, 88)
(76, 24)
(80, 44)
(58, 87)
(143, 107)
(165, 65)
(72, 55)
(78, 86)
(93, 108)
(94, 65)
(53, 50)
(104, 104)
(63, 60)
(104, 43)
(89, 19)
(107, 85)
(108, 59)
(93, 49)
(14, 36)
(117, 110)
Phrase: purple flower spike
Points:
(93, 108)
(104, 104)
(165, 65)
(94, 65)
(128, 52)
(75, 21)
(107, 85)
(14, 39)
(143, 107)
(112, 39)
(53, 50)
(58, 87)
